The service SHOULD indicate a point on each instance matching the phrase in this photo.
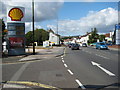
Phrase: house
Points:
(84, 38)
(107, 37)
(54, 38)
(66, 41)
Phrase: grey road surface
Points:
(85, 68)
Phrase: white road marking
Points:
(102, 56)
(61, 56)
(80, 84)
(105, 70)
(19, 72)
(65, 65)
(70, 71)
(63, 61)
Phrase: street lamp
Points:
(33, 26)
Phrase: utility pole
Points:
(57, 24)
(33, 26)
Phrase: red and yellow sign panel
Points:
(15, 14)
(16, 42)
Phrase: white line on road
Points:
(63, 61)
(80, 84)
(62, 58)
(102, 56)
(65, 65)
(105, 70)
(19, 72)
(70, 71)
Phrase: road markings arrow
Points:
(105, 70)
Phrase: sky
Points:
(72, 18)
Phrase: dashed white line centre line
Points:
(63, 61)
(70, 71)
(65, 65)
(62, 58)
(80, 84)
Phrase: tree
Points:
(94, 36)
(29, 38)
(101, 38)
(40, 36)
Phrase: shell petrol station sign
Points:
(16, 30)
(15, 14)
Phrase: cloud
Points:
(43, 10)
(53, 27)
(28, 26)
(104, 20)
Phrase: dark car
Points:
(70, 44)
(84, 45)
(75, 47)
(101, 45)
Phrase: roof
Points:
(53, 32)
(107, 35)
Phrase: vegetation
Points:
(101, 38)
(95, 36)
(39, 36)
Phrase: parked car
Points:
(101, 45)
(109, 43)
(70, 44)
(84, 45)
(75, 46)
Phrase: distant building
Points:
(66, 41)
(108, 37)
(54, 38)
(84, 38)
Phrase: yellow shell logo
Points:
(15, 14)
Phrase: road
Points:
(85, 68)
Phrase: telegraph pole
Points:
(57, 24)
(33, 26)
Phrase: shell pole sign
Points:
(15, 14)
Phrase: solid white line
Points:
(70, 71)
(80, 84)
(65, 65)
(63, 61)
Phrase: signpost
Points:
(117, 34)
(16, 30)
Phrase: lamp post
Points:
(33, 26)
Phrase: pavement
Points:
(41, 53)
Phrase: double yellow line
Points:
(33, 84)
